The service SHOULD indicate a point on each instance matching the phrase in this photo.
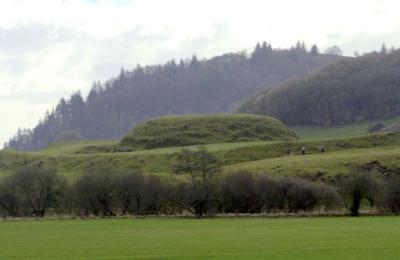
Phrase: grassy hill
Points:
(346, 130)
(215, 85)
(325, 165)
(352, 90)
(272, 157)
(76, 147)
(187, 130)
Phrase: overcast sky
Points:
(50, 48)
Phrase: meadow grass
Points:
(222, 238)
(75, 146)
(330, 163)
(271, 157)
(340, 131)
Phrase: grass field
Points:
(341, 131)
(217, 238)
(328, 164)
(75, 146)
(229, 238)
(260, 156)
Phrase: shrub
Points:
(95, 193)
(357, 187)
(376, 127)
(238, 194)
(391, 195)
(271, 193)
(40, 188)
(300, 195)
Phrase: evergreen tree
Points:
(314, 50)
(383, 49)
(114, 107)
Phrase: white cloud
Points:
(49, 48)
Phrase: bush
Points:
(329, 198)
(39, 188)
(130, 193)
(300, 195)
(95, 193)
(271, 194)
(34, 190)
(391, 195)
(238, 194)
(376, 127)
(356, 187)
(10, 199)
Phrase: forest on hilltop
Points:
(218, 84)
(363, 88)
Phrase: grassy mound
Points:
(187, 130)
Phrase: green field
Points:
(213, 238)
(323, 164)
(341, 131)
(225, 238)
(259, 156)
(346, 145)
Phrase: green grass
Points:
(77, 146)
(235, 238)
(341, 131)
(184, 130)
(242, 155)
(324, 164)
(70, 164)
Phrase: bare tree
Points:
(40, 187)
(96, 192)
(356, 187)
(10, 200)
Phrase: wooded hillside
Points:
(219, 84)
(351, 90)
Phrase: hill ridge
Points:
(218, 84)
(352, 90)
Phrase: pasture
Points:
(218, 238)
(341, 131)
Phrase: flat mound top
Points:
(201, 129)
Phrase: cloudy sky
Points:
(50, 48)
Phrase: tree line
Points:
(354, 89)
(197, 187)
(113, 108)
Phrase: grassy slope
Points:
(341, 131)
(238, 238)
(65, 159)
(158, 161)
(77, 146)
(170, 131)
(327, 164)
(259, 156)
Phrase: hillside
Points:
(187, 130)
(272, 157)
(352, 90)
(214, 85)
(325, 166)
(348, 130)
